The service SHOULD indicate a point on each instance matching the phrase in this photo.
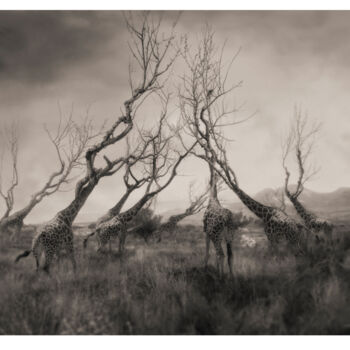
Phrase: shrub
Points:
(147, 223)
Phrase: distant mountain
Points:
(329, 204)
(334, 204)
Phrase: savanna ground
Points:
(163, 288)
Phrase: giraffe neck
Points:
(130, 213)
(118, 207)
(71, 211)
(306, 216)
(260, 210)
(213, 194)
(177, 218)
(18, 216)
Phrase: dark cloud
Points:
(36, 46)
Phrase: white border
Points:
(173, 343)
(176, 5)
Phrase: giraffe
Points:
(171, 225)
(218, 225)
(117, 225)
(300, 140)
(57, 234)
(311, 221)
(13, 224)
(112, 212)
(277, 224)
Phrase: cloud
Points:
(36, 46)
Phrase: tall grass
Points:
(164, 289)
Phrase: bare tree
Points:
(160, 158)
(150, 48)
(10, 136)
(300, 143)
(205, 111)
(132, 182)
(70, 140)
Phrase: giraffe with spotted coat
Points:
(57, 234)
(218, 226)
(171, 225)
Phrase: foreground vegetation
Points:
(163, 288)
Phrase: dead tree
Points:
(207, 115)
(300, 143)
(131, 181)
(161, 160)
(10, 140)
(197, 203)
(150, 49)
(70, 140)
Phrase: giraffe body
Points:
(117, 225)
(113, 228)
(315, 224)
(171, 225)
(57, 234)
(54, 237)
(278, 226)
(218, 227)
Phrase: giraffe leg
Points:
(37, 255)
(100, 241)
(207, 249)
(37, 251)
(122, 238)
(229, 256)
(110, 246)
(70, 252)
(48, 260)
(219, 257)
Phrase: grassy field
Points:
(164, 289)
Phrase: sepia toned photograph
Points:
(174, 172)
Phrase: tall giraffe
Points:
(112, 212)
(117, 225)
(300, 141)
(277, 224)
(115, 210)
(218, 226)
(57, 234)
(312, 222)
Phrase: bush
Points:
(147, 223)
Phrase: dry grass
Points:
(164, 289)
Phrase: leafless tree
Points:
(206, 114)
(299, 143)
(70, 140)
(10, 138)
(132, 181)
(150, 48)
(160, 159)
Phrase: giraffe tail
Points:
(87, 238)
(23, 255)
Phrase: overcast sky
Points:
(81, 58)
